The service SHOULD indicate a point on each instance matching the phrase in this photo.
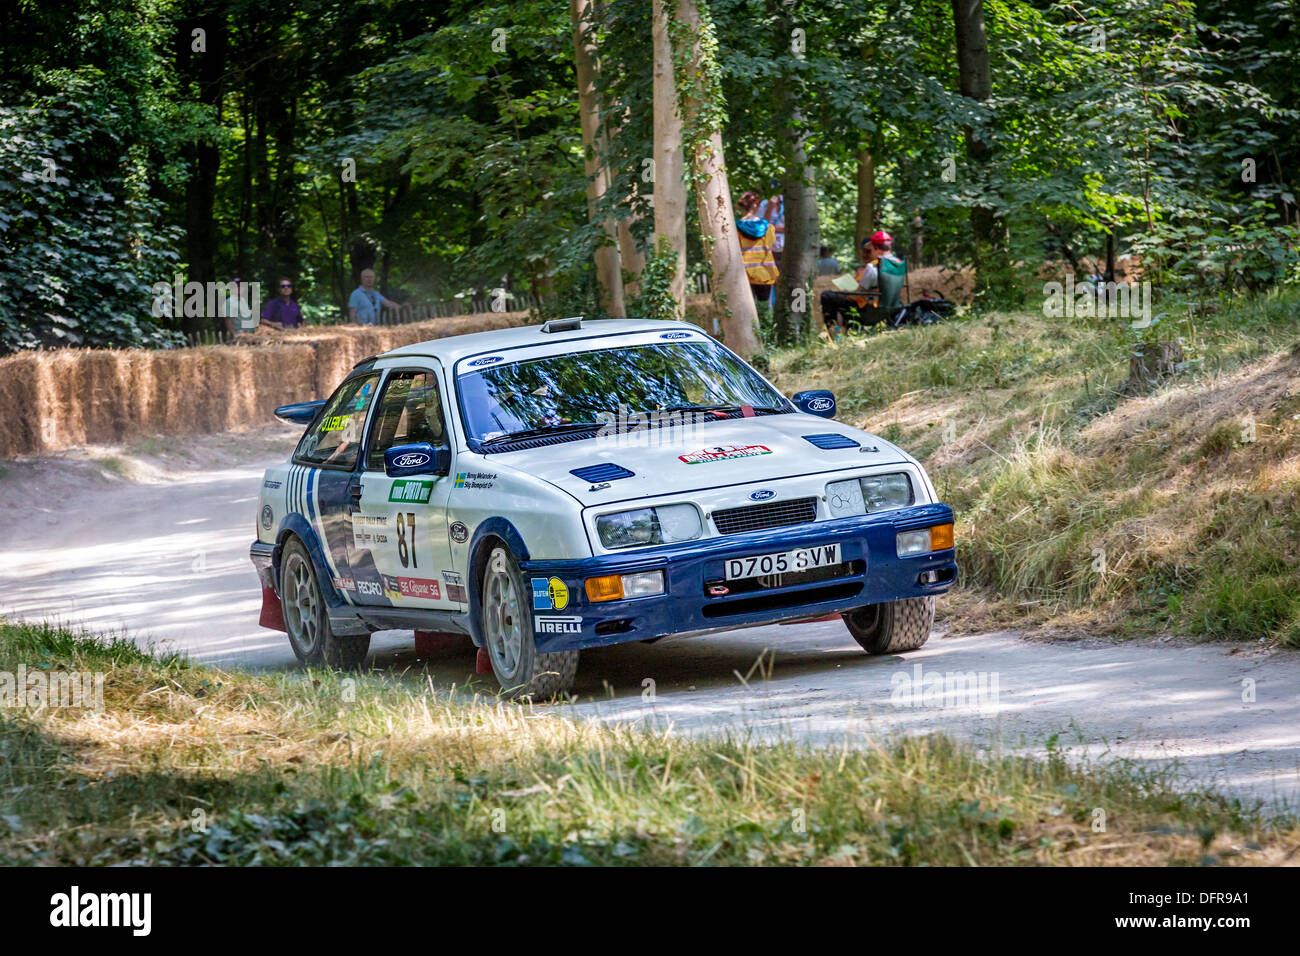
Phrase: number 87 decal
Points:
(405, 555)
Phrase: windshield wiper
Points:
(540, 431)
(692, 407)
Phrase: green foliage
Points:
(655, 299)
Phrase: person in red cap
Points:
(838, 308)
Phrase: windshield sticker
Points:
(724, 453)
(676, 335)
(489, 360)
(414, 491)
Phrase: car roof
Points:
(456, 347)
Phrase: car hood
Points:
(684, 458)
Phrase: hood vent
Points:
(831, 440)
(606, 471)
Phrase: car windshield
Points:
(594, 387)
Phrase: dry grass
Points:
(190, 765)
(1082, 506)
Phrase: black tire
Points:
(306, 618)
(892, 627)
(506, 626)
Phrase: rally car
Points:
(550, 488)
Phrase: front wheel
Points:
(893, 626)
(306, 618)
(507, 623)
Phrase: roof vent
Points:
(570, 324)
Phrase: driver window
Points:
(409, 411)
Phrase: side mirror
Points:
(299, 413)
(420, 458)
(817, 401)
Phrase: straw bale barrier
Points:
(60, 398)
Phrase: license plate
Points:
(783, 562)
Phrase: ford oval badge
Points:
(411, 460)
(489, 360)
(763, 494)
(820, 405)
(676, 335)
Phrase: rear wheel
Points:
(507, 623)
(307, 619)
(893, 626)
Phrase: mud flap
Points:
(272, 611)
(484, 663)
(440, 642)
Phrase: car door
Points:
(401, 552)
(324, 469)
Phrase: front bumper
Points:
(870, 573)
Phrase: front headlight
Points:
(665, 524)
(868, 495)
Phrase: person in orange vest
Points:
(757, 247)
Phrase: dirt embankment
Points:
(66, 397)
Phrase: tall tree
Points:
(669, 167)
(802, 232)
(975, 80)
(703, 112)
(609, 273)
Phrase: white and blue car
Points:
(550, 488)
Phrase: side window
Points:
(336, 437)
(410, 411)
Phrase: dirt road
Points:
(154, 543)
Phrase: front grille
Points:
(770, 514)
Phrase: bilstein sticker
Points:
(550, 594)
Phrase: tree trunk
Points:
(802, 229)
(609, 268)
(718, 233)
(206, 70)
(669, 188)
(975, 80)
(866, 201)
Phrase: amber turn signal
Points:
(606, 588)
(941, 537)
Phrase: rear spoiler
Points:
(299, 413)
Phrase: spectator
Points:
(827, 264)
(235, 313)
(365, 307)
(282, 312)
(837, 306)
(757, 241)
(773, 210)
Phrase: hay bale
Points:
(21, 398)
(65, 397)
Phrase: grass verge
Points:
(188, 765)
(1085, 504)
